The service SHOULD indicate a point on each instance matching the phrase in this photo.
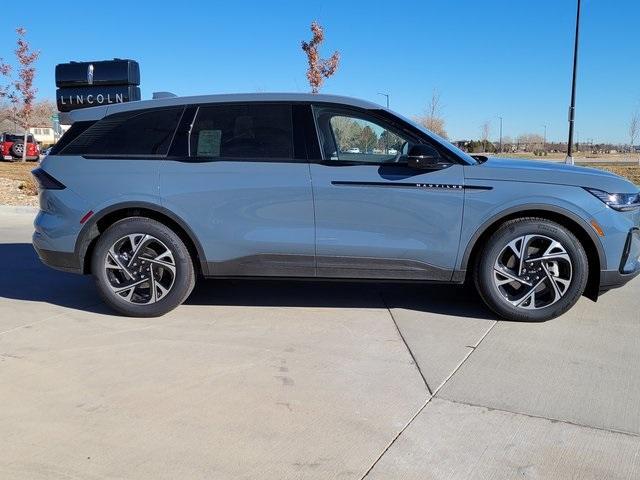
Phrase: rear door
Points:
(375, 216)
(238, 178)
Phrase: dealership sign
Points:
(89, 84)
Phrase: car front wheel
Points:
(531, 269)
(142, 268)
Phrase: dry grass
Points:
(632, 172)
(17, 186)
(17, 171)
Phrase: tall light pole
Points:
(544, 138)
(500, 133)
(385, 95)
(572, 107)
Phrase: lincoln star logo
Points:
(90, 74)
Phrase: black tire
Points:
(184, 278)
(510, 231)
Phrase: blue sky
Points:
(487, 58)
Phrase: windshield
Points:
(440, 140)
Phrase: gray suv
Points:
(148, 196)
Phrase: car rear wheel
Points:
(142, 268)
(531, 269)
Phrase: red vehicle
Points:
(12, 146)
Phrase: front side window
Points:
(143, 133)
(248, 131)
(353, 137)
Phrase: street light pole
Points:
(572, 107)
(500, 133)
(385, 95)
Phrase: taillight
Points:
(46, 181)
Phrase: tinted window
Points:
(251, 131)
(17, 138)
(147, 132)
(76, 129)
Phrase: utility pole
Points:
(385, 95)
(500, 133)
(572, 107)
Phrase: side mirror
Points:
(423, 157)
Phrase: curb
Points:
(17, 209)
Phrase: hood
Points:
(536, 171)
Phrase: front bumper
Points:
(629, 264)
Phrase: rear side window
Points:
(137, 133)
(76, 129)
(251, 131)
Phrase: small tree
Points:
(634, 127)
(319, 68)
(432, 119)
(485, 130)
(24, 94)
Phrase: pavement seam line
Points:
(472, 349)
(424, 379)
(556, 420)
(431, 397)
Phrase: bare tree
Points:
(634, 128)
(319, 68)
(485, 132)
(432, 119)
(24, 93)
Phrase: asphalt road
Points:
(310, 380)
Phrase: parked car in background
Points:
(12, 147)
(148, 196)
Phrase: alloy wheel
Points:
(533, 272)
(140, 268)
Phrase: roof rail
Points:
(157, 95)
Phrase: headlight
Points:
(617, 201)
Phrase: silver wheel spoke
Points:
(113, 256)
(170, 266)
(137, 241)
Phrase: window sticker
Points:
(209, 143)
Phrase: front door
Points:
(375, 216)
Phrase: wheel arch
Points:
(576, 225)
(100, 221)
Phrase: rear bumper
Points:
(13, 159)
(64, 261)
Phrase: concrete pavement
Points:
(309, 380)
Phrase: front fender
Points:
(483, 209)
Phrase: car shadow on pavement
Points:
(455, 300)
(26, 278)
